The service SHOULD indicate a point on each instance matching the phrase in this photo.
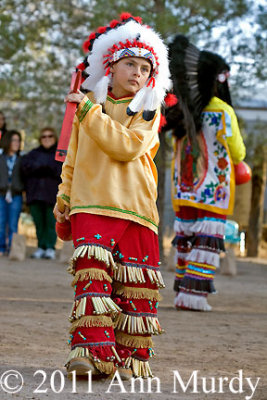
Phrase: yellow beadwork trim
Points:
(91, 273)
(137, 325)
(208, 266)
(137, 293)
(133, 341)
(91, 320)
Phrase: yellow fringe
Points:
(105, 367)
(136, 293)
(102, 366)
(133, 274)
(91, 320)
(133, 341)
(137, 325)
(71, 269)
(91, 273)
(97, 252)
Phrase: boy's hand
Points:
(61, 216)
(74, 97)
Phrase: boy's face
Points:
(129, 75)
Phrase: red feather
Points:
(101, 29)
(92, 36)
(125, 16)
(138, 19)
(81, 66)
(114, 23)
(86, 45)
(170, 100)
(162, 122)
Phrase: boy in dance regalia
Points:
(109, 184)
(207, 144)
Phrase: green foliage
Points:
(41, 42)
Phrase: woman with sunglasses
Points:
(42, 176)
(11, 187)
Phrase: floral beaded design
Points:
(211, 186)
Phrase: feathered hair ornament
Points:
(127, 37)
(197, 77)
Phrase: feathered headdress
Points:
(127, 38)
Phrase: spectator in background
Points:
(3, 129)
(42, 176)
(11, 187)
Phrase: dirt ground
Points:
(229, 341)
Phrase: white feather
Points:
(138, 101)
(101, 89)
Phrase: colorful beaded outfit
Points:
(109, 181)
(207, 142)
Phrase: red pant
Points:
(116, 268)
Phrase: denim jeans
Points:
(9, 217)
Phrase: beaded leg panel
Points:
(135, 290)
(92, 333)
(203, 231)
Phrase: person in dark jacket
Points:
(42, 176)
(11, 187)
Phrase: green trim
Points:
(65, 197)
(127, 100)
(117, 209)
(86, 107)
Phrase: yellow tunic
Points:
(109, 168)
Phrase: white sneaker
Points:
(50, 254)
(39, 253)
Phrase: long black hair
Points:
(7, 140)
(195, 81)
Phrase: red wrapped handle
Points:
(65, 133)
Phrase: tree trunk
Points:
(160, 161)
(257, 202)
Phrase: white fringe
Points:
(77, 352)
(194, 302)
(133, 274)
(137, 325)
(101, 305)
(139, 368)
(98, 252)
(206, 227)
(204, 257)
